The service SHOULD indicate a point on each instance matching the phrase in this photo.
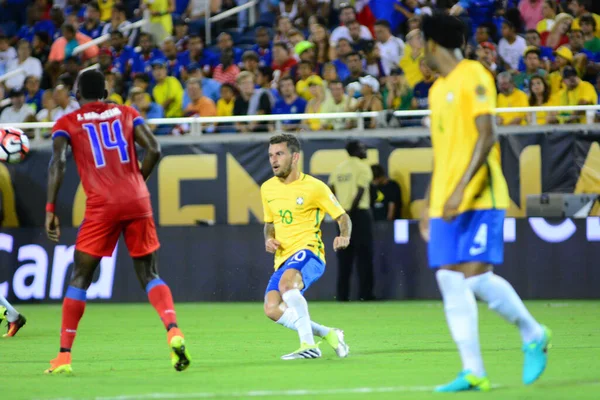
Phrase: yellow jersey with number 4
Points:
(456, 101)
(297, 210)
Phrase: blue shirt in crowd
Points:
(296, 107)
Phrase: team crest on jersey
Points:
(481, 92)
(300, 201)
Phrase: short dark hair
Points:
(304, 62)
(120, 8)
(69, 28)
(534, 31)
(262, 29)
(353, 53)
(346, 6)
(384, 23)
(91, 85)
(250, 55)
(266, 71)
(378, 171)
(290, 140)
(445, 30)
(352, 147)
(588, 19)
(283, 45)
(286, 78)
(142, 77)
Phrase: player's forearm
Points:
(484, 144)
(345, 224)
(151, 158)
(269, 231)
(56, 173)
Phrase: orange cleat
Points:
(60, 365)
(13, 327)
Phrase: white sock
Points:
(294, 299)
(289, 317)
(502, 298)
(461, 314)
(12, 314)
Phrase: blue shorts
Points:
(474, 236)
(310, 266)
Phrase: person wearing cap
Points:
(305, 51)
(282, 61)
(511, 47)
(564, 57)
(588, 27)
(557, 36)
(532, 67)
(580, 8)
(105, 60)
(167, 92)
(575, 93)
(18, 111)
(370, 100)
(413, 54)
(486, 55)
(338, 102)
(397, 93)
(29, 65)
(509, 96)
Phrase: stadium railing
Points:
(99, 40)
(196, 123)
(250, 6)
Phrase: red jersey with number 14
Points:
(102, 138)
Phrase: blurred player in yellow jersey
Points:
(294, 206)
(466, 204)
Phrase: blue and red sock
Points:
(161, 299)
(72, 311)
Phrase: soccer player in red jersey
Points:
(102, 138)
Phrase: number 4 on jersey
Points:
(111, 138)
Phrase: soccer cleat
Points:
(536, 357)
(464, 382)
(180, 356)
(60, 365)
(306, 351)
(13, 327)
(335, 338)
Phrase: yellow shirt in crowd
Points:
(225, 109)
(170, 89)
(412, 66)
(517, 98)
(585, 91)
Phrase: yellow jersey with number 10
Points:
(297, 210)
(456, 101)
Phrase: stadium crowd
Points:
(302, 56)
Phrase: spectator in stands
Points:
(588, 27)
(283, 26)
(391, 48)
(480, 12)
(118, 21)
(174, 66)
(532, 68)
(46, 114)
(263, 46)
(338, 102)
(33, 93)
(575, 93)
(41, 47)
(355, 66)
(305, 51)
(564, 58)
(227, 100)
(250, 62)
(581, 56)
(290, 103)
(420, 99)
(329, 73)
(557, 36)
(540, 96)
(549, 12)
(282, 61)
(290, 9)
(147, 108)
(92, 26)
(374, 64)
(106, 7)
(167, 92)
(324, 52)
(63, 47)
(141, 82)
(370, 100)
(342, 50)
(28, 65)
(487, 56)
(7, 53)
(413, 54)
(114, 88)
(210, 87)
(195, 13)
(181, 35)
(533, 38)
(387, 204)
(483, 34)
(197, 54)
(200, 105)
(531, 12)
(348, 14)
(294, 37)
(65, 104)
(317, 97)
(105, 60)
(397, 93)
(509, 96)
(57, 18)
(227, 71)
(511, 47)
(123, 55)
(35, 25)
(305, 71)
(18, 111)
(147, 54)
(225, 42)
(580, 8)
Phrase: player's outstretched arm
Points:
(485, 142)
(146, 139)
(56, 173)
(345, 224)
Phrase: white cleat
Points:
(304, 352)
(342, 349)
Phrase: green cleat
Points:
(335, 338)
(466, 381)
(180, 356)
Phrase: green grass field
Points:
(398, 351)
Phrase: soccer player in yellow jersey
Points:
(294, 206)
(465, 207)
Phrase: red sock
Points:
(161, 299)
(72, 311)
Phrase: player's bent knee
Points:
(272, 311)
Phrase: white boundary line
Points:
(263, 393)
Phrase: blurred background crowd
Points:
(301, 56)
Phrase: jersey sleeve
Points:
(480, 93)
(328, 202)
(268, 215)
(136, 118)
(61, 129)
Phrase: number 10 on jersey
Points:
(110, 138)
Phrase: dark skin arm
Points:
(484, 144)
(146, 139)
(356, 201)
(56, 173)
